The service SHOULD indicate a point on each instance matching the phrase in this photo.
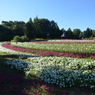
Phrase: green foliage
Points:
(45, 28)
(20, 39)
(69, 33)
(76, 33)
(41, 28)
(29, 30)
(17, 39)
(93, 33)
(24, 39)
(14, 28)
(88, 33)
(18, 30)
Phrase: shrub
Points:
(17, 39)
(24, 39)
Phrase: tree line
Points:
(40, 28)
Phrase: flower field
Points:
(66, 41)
(71, 47)
(15, 79)
(78, 50)
(63, 72)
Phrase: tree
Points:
(18, 30)
(88, 33)
(69, 33)
(45, 28)
(93, 33)
(16, 27)
(6, 34)
(54, 30)
(29, 32)
(76, 33)
(42, 27)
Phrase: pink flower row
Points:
(50, 53)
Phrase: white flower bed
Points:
(64, 62)
(51, 71)
(56, 70)
(67, 40)
(68, 78)
(16, 53)
(20, 65)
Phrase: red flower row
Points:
(50, 53)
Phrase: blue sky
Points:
(66, 13)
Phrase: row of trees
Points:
(78, 34)
(40, 28)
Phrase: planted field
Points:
(78, 50)
(70, 47)
(67, 75)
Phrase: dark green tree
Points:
(6, 34)
(88, 33)
(29, 30)
(42, 27)
(69, 33)
(16, 27)
(76, 33)
(46, 28)
(93, 33)
(18, 30)
(54, 30)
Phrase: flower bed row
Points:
(65, 41)
(71, 47)
(72, 40)
(64, 63)
(15, 53)
(62, 71)
(49, 53)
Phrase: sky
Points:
(66, 13)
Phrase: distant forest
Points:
(40, 28)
